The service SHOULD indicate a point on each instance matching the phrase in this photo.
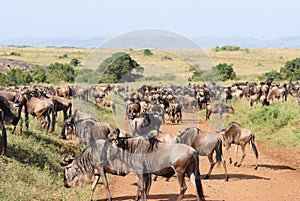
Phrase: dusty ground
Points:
(275, 179)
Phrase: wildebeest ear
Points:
(114, 135)
(117, 132)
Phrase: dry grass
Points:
(247, 65)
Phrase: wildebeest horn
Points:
(68, 160)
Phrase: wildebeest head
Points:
(114, 138)
(68, 128)
(73, 174)
(10, 110)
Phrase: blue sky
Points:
(263, 19)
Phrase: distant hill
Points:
(155, 39)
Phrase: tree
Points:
(225, 71)
(291, 70)
(119, 67)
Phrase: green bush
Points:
(147, 52)
(166, 58)
(291, 70)
(14, 54)
(227, 48)
(64, 71)
(274, 74)
(275, 114)
(39, 74)
(75, 62)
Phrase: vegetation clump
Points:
(220, 72)
(118, 68)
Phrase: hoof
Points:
(230, 160)
(227, 178)
(206, 176)
(255, 167)
(236, 164)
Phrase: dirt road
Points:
(275, 179)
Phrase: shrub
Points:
(147, 52)
(276, 114)
(75, 62)
(39, 74)
(274, 74)
(291, 70)
(63, 56)
(64, 71)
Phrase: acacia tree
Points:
(117, 67)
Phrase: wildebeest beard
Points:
(143, 155)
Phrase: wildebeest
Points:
(18, 99)
(133, 109)
(86, 130)
(163, 159)
(236, 134)
(146, 123)
(106, 103)
(62, 104)
(64, 91)
(205, 144)
(97, 159)
(42, 109)
(175, 112)
(218, 108)
(9, 114)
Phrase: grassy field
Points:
(247, 64)
(32, 169)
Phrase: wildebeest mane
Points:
(141, 144)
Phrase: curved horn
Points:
(68, 160)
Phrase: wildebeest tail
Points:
(70, 110)
(253, 145)
(218, 149)
(197, 178)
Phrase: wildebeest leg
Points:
(104, 180)
(182, 185)
(94, 186)
(47, 123)
(3, 150)
(225, 169)
(65, 114)
(243, 156)
(143, 186)
(236, 154)
(227, 149)
(212, 164)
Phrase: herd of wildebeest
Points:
(145, 150)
